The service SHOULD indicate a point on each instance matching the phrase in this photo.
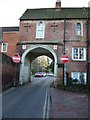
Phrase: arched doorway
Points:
(29, 55)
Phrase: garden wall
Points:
(8, 72)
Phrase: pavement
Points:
(68, 104)
(64, 104)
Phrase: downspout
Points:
(64, 52)
(87, 44)
(87, 48)
(64, 34)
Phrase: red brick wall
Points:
(49, 34)
(12, 38)
(8, 71)
(72, 40)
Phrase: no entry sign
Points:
(64, 58)
(16, 58)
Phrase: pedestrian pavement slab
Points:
(68, 104)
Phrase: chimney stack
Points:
(58, 5)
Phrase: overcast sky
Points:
(12, 10)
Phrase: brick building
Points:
(51, 32)
(8, 48)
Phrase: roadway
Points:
(27, 101)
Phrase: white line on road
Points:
(46, 107)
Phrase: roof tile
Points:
(50, 13)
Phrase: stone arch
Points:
(25, 62)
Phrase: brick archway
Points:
(29, 55)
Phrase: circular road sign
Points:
(64, 58)
(16, 58)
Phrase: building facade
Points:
(51, 32)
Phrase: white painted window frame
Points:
(78, 76)
(4, 47)
(81, 28)
(84, 53)
(24, 47)
(40, 30)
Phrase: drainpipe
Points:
(64, 34)
(87, 48)
(87, 42)
(64, 65)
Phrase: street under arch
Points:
(29, 55)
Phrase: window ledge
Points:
(79, 36)
(78, 60)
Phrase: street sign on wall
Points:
(16, 58)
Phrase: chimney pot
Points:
(58, 5)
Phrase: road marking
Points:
(46, 107)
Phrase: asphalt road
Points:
(27, 101)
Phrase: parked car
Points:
(40, 74)
(50, 74)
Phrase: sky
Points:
(12, 10)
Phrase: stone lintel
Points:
(40, 42)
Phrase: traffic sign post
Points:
(65, 59)
(65, 77)
(16, 59)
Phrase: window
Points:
(80, 76)
(24, 47)
(79, 53)
(79, 29)
(40, 30)
(4, 47)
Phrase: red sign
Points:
(16, 58)
(64, 58)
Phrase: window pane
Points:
(82, 77)
(75, 75)
(40, 26)
(4, 47)
(75, 53)
(81, 53)
(40, 30)
(78, 29)
(40, 33)
(24, 46)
